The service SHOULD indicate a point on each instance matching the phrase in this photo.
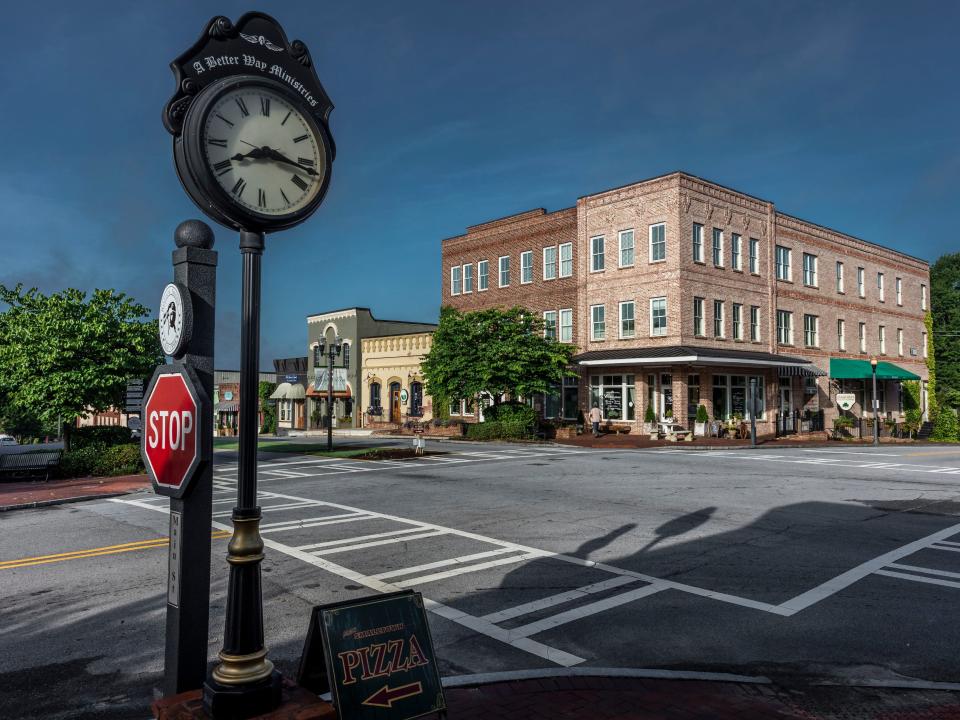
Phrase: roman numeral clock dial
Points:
(262, 152)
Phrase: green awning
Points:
(850, 369)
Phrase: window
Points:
(549, 263)
(784, 327)
(598, 328)
(755, 323)
(899, 287)
(658, 316)
(566, 260)
(839, 277)
(899, 341)
(658, 242)
(882, 337)
(861, 290)
(717, 247)
(783, 263)
(416, 399)
(566, 326)
(810, 331)
(456, 406)
(809, 269)
(483, 274)
(698, 317)
(627, 326)
(735, 261)
(923, 339)
(697, 242)
(880, 286)
(316, 356)
(456, 280)
(550, 324)
(626, 248)
(375, 395)
(505, 271)
(862, 336)
(923, 297)
(754, 256)
(615, 395)
(718, 318)
(731, 396)
(596, 254)
(737, 323)
(841, 335)
(345, 355)
(526, 267)
(468, 278)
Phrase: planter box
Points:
(700, 429)
(566, 432)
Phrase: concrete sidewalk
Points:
(26, 494)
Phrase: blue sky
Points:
(451, 113)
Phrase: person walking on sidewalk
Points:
(595, 419)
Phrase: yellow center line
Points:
(96, 552)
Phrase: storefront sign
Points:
(339, 380)
(404, 396)
(845, 401)
(375, 656)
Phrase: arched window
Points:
(416, 399)
(375, 398)
(345, 354)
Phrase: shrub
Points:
(498, 430)
(649, 416)
(702, 416)
(913, 419)
(101, 461)
(104, 435)
(843, 422)
(513, 413)
(945, 426)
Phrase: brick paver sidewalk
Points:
(18, 495)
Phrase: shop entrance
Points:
(395, 402)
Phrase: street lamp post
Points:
(876, 414)
(332, 352)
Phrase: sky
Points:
(448, 114)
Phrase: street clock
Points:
(176, 319)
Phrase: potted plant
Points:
(841, 425)
(700, 425)
(649, 422)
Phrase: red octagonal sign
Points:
(174, 429)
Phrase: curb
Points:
(63, 501)
(459, 681)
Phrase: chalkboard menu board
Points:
(375, 656)
(738, 402)
(613, 403)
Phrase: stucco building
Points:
(393, 380)
(677, 291)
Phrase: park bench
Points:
(29, 464)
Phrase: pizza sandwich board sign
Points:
(375, 656)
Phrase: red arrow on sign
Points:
(385, 696)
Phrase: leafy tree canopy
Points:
(63, 354)
(495, 351)
(945, 307)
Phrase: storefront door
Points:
(395, 402)
(786, 424)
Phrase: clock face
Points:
(171, 319)
(262, 151)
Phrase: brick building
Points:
(678, 291)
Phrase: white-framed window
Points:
(731, 396)
(658, 242)
(626, 248)
(882, 337)
(736, 318)
(526, 267)
(614, 395)
(880, 286)
(698, 329)
(809, 269)
(717, 247)
(923, 339)
(784, 327)
(755, 323)
(627, 320)
(811, 331)
(566, 325)
(550, 324)
(754, 256)
(861, 284)
(566, 260)
(862, 336)
(697, 238)
(345, 354)
(658, 316)
(483, 275)
(900, 341)
(735, 262)
(718, 329)
(841, 335)
(468, 278)
(923, 297)
(598, 322)
(839, 277)
(597, 260)
(456, 280)
(783, 263)
(550, 263)
(505, 271)
(899, 288)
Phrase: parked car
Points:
(8, 440)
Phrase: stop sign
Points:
(174, 437)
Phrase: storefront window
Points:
(375, 395)
(731, 394)
(693, 395)
(666, 395)
(552, 402)
(652, 392)
(416, 399)
(615, 395)
(571, 397)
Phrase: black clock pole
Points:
(244, 683)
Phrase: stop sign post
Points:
(175, 439)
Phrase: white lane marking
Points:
(584, 611)
(285, 506)
(317, 523)
(919, 578)
(472, 568)
(937, 546)
(928, 571)
(558, 599)
(441, 563)
(948, 542)
(375, 543)
(358, 538)
(844, 580)
(300, 521)
(851, 452)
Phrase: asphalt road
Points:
(798, 564)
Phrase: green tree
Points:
(269, 409)
(500, 352)
(945, 307)
(64, 355)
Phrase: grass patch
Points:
(320, 449)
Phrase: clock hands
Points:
(268, 153)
